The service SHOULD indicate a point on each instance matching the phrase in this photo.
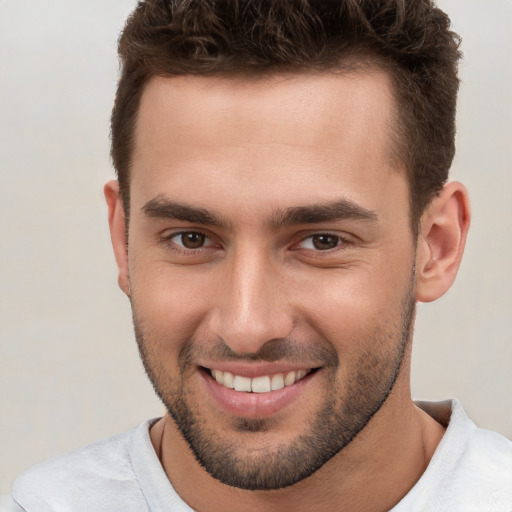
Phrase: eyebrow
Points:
(161, 207)
(328, 212)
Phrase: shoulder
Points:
(88, 479)
(482, 473)
(490, 455)
(487, 453)
(471, 469)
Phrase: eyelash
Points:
(341, 242)
(167, 241)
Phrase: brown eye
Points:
(192, 240)
(324, 242)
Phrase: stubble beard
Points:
(342, 416)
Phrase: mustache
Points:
(319, 351)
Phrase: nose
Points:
(251, 307)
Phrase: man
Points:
(281, 206)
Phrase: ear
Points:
(443, 230)
(117, 224)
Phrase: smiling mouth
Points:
(260, 384)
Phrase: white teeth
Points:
(228, 380)
(219, 376)
(300, 374)
(262, 384)
(277, 382)
(289, 379)
(242, 383)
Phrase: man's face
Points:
(270, 249)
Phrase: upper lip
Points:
(256, 369)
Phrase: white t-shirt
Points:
(471, 471)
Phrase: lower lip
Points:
(254, 405)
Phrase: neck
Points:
(371, 474)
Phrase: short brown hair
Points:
(410, 39)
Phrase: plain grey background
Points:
(70, 372)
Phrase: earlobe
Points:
(443, 230)
(117, 224)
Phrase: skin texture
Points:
(254, 171)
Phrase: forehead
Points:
(263, 107)
(300, 135)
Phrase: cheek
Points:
(355, 308)
(169, 302)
